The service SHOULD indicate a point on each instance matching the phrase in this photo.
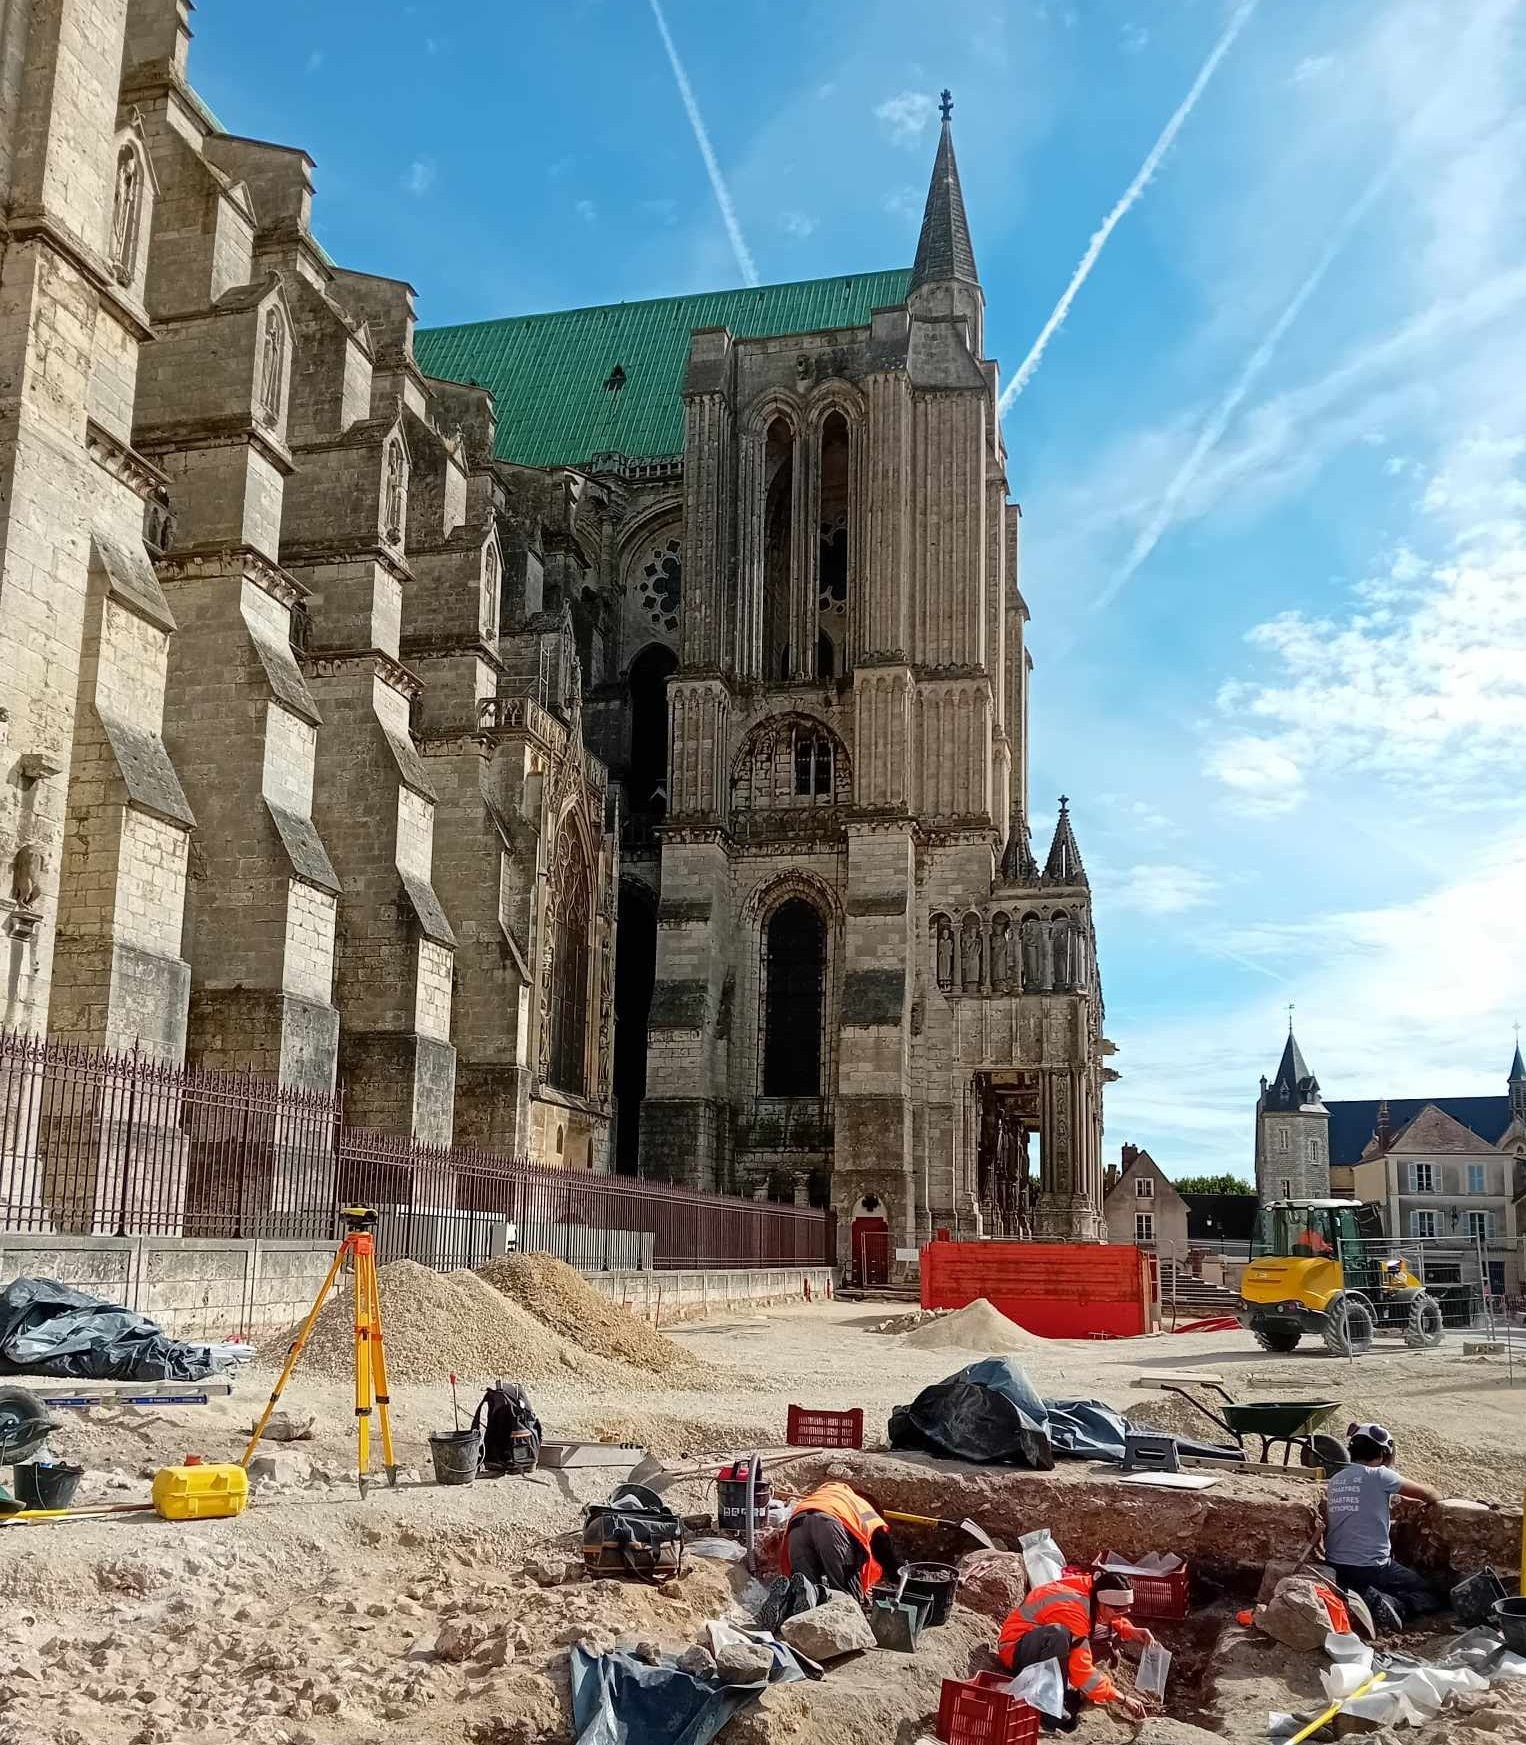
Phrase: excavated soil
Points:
(977, 1327)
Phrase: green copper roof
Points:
(550, 374)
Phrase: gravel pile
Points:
(444, 1323)
(979, 1327)
(558, 1296)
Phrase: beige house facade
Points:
(1142, 1206)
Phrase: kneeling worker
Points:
(1060, 1621)
(838, 1540)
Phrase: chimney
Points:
(1130, 1154)
(1110, 1178)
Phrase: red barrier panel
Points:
(1063, 1290)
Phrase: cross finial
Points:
(1290, 1017)
(946, 104)
(1064, 801)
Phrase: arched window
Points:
(832, 549)
(813, 765)
(778, 547)
(569, 967)
(272, 364)
(648, 681)
(794, 988)
(394, 505)
(127, 212)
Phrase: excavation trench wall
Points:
(1228, 1533)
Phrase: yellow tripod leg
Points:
(362, 1371)
(294, 1355)
(379, 1374)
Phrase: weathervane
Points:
(1290, 1017)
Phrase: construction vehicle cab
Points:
(1320, 1267)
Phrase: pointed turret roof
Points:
(944, 250)
(1018, 867)
(1517, 1067)
(1293, 1070)
(1063, 866)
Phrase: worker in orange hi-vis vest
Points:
(1061, 1621)
(837, 1539)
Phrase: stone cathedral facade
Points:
(600, 734)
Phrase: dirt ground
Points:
(316, 1618)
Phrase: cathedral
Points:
(598, 735)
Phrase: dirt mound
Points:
(445, 1323)
(559, 1297)
(907, 1323)
(979, 1327)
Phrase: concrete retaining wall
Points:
(691, 1296)
(193, 1287)
(213, 1289)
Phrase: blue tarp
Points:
(618, 1700)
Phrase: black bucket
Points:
(46, 1484)
(938, 1582)
(1473, 1599)
(1510, 1621)
(456, 1455)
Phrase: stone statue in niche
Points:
(1033, 955)
(28, 866)
(392, 514)
(970, 951)
(1064, 952)
(1001, 945)
(124, 213)
(945, 953)
(272, 358)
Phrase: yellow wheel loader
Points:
(1323, 1267)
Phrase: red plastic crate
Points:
(809, 1427)
(979, 1711)
(1163, 1598)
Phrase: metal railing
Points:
(103, 1144)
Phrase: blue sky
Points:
(1272, 465)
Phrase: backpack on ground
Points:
(511, 1433)
(634, 1533)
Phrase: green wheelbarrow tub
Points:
(1278, 1419)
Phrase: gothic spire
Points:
(1293, 1076)
(1063, 866)
(1517, 1066)
(944, 250)
(1018, 867)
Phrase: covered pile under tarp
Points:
(989, 1413)
(619, 1700)
(48, 1329)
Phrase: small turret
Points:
(1063, 867)
(1517, 1082)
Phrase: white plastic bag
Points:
(1344, 1679)
(1042, 1558)
(1042, 1687)
(1154, 1670)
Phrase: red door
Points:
(871, 1251)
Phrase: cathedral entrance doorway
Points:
(1007, 1171)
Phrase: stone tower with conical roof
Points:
(866, 990)
(1292, 1131)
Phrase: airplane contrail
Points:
(1129, 196)
(702, 139)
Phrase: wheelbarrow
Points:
(1284, 1424)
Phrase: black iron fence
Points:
(101, 1144)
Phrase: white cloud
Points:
(796, 224)
(905, 204)
(1311, 69)
(587, 211)
(419, 178)
(1161, 890)
(1133, 38)
(1421, 681)
(905, 117)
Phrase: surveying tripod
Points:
(359, 1248)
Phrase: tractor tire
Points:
(1350, 1326)
(1281, 1339)
(1425, 1330)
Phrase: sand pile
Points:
(979, 1327)
(445, 1323)
(907, 1323)
(559, 1297)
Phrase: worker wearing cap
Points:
(837, 1539)
(1358, 1509)
(1061, 1621)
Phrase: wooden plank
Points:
(1169, 1481)
(1177, 1378)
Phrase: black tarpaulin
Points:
(619, 1700)
(46, 1328)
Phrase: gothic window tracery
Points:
(832, 548)
(794, 990)
(813, 764)
(396, 498)
(660, 585)
(272, 367)
(789, 761)
(778, 547)
(127, 212)
(573, 912)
